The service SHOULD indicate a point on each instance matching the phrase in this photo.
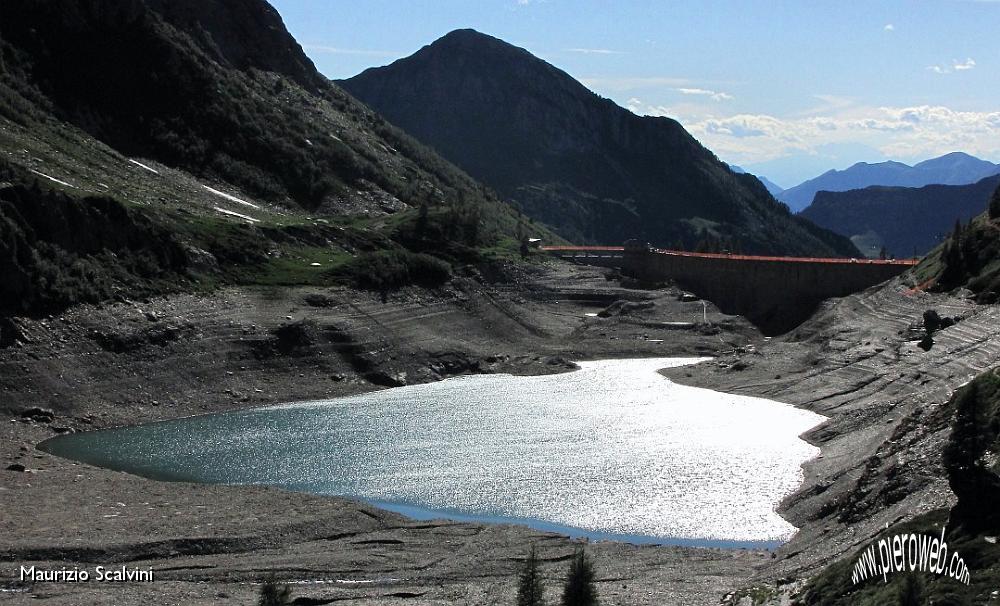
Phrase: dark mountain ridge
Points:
(771, 186)
(956, 168)
(906, 221)
(591, 169)
(209, 92)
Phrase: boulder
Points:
(38, 414)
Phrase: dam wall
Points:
(775, 293)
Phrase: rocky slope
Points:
(859, 361)
(591, 169)
(202, 126)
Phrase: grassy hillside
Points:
(968, 258)
(198, 146)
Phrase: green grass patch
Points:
(294, 266)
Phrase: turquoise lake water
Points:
(612, 450)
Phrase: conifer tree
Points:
(579, 589)
(529, 588)
(995, 204)
(912, 591)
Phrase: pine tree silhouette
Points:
(912, 591)
(579, 589)
(529, 589)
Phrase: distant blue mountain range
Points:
(956, 168)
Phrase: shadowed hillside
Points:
(202, 124)
(906, 221)
(968, 258)
(591, 169)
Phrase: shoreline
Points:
(853, 363)
(416, 512)
(207, 541)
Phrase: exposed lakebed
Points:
(613, 450)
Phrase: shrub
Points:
(273, 594)
(967, 454)
(386, 270)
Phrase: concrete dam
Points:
(775, 293)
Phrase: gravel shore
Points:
(134, 362)
(856, 362)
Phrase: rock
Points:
(295, 335)
(10, 333)
(62, 430)
(383, 378)
(17, 467)
(926, 343)
(318, 300)
(40, 415)
(623, 308)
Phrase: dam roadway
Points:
(775, 293)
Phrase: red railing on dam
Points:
(775, 293)
(733, 257)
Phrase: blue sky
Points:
(788, 89)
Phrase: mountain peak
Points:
(466, 34)
(470, 41)
(594, 170)
(955, 168)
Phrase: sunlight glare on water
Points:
(611, 448)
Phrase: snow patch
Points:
(60, 182)
(141, 165)
(236, 214)
(230, 198)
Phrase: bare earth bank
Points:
(134, 362)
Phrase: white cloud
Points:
(956, 65)
(595, 51)
(904, 132)
(889, 27)
(714, 95)
(964, 65)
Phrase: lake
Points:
(613, 450)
